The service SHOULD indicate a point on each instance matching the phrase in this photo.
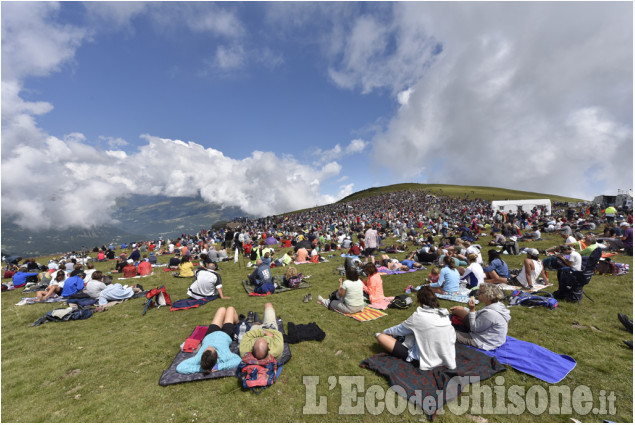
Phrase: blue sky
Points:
(278, 106)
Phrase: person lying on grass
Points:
(214, 349)
(263, 338)
(487, 328)
(349, 298)
(430, 338)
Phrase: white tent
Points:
(526, 204)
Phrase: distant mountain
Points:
(139, 217)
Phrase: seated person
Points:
(208, 283)
(101, 256)
(433, 277)
(90, 269)
(152, 258)
(54, 288)
(449, 278)
(497, 270)
(532, 269)
(473, 274)
(285, 260)
(498, 239)
(73, 285)
(291, 273)
(95, 285)
(302, 255)
(130, 270)
(214, 349)
(144, 268)
(175, 261)
(261, 278)
(349, 298)
(430, 337)
(355, 250)
(487, 328)
(373, 284)
(263, 339)
(120, 264)
(186, 268)
(20, 278)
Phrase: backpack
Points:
(295, 281)
(606, 266)
(157, 296)
(533, 299)
(257, 374)
(401, 302)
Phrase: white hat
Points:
(130, 261)
(624, 224)
(532, 251)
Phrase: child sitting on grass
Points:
(433, 277)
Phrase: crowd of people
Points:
(444, 231)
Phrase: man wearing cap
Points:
(208, 283)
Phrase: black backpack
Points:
(401, 302)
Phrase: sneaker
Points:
(629, 344)
(251, 317)
(322, 301)
(305, 299)
(309, 297)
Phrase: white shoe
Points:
(324, 302)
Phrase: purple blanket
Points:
(533, 360)
(386, 270)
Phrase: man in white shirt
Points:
(208, 283)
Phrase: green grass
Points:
(471, 192)
(106, 368)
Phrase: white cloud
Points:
(337, 152)
(522, 96)
(31, 44)
(113, 142)
(228, 58)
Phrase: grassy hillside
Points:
(483, 192)
(107, 368)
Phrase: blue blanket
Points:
(533, 360)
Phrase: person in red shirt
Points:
(144, 268)
(130, 270)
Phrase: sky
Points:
(278, 106)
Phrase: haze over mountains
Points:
(140, 217)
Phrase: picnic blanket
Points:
(187, 303)
(381, 305)
(461, 296)
(365, 315)
(416, 385)
(170, 376)
(534, 288)
(277, 282)
(135, 277)
(33, 300)
(386, 270)
(533, 360)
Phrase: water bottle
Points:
(241, 331)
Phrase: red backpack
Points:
(257, 374)
(158, 296)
